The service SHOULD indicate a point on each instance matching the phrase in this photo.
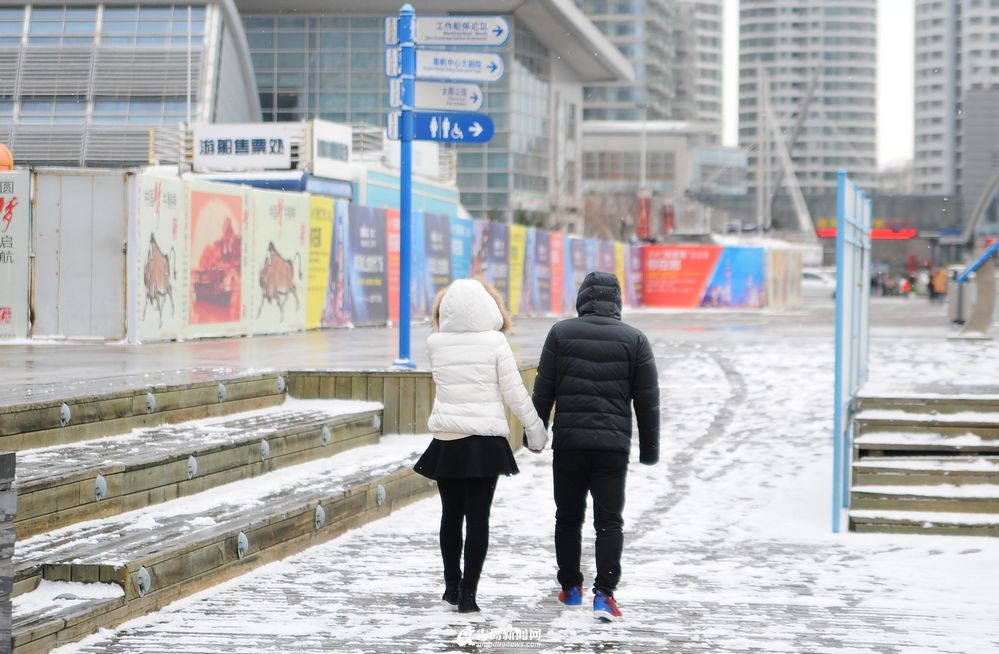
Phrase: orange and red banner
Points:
(677, 275)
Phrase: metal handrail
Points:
(989, 251)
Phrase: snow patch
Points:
(51, 594)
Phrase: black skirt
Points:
(469, 457)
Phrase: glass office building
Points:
(333, 67)
(85, 84)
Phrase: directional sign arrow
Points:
(446, 127)
(459, 30)
(452, 65)
(439, 96)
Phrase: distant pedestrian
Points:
(592, 369)
(475, 373)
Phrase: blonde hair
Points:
(435, 316)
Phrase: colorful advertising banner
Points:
(677, 275)
(462, 236)
(418, 268)
(320, 246)
(591, 256)
(634, 274)
(540, 281)
(556, 254)
(161, 233)
(219, 215)
(392, 221)
(620, 266)
(784, 278)
(336, 301)
(480, 249)
(15, 252)
(528, 306)
(576, 270)
(439, 254)
(515, 285)
(277, 284)
(710, 276)
(605, 257)
(737, 280)
(369, 278)
(498, 272)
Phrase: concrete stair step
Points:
(930, 441)
(94, 413)
(895, 419)
(944, 498)
(922, 402)
(916, 522)
(60, 607)
(925, 471)
(164, 552)
(72, 483)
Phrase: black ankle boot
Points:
(450, 595)
(466, 601)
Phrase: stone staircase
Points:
(926, 463)
(132, 500)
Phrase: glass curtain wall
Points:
(333, 67)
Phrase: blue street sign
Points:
(439, 96)
(489, 31)
(464, 66)
(445, 127)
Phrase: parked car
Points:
(817, 284)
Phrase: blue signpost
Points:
(454, 126)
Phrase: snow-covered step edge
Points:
(61, 605)
(936, 491)
(926, 517)
(901, 416)
(136, 473)
(923, 464)
(394, 486)
(925, 523)
(914, 440)
(94, 414)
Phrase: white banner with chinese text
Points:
(15, 252)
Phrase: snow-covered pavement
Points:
(728, 547)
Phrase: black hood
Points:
(599, 295)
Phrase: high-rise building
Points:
(829, 46)
(675, 48)
(699, 62)
(92, 84)
(956, 95)
(314, 61)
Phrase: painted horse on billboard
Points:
(156, 276)
(277, 279)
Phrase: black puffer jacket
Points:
(592, 368)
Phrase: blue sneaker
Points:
(571, 596)
(605, 608)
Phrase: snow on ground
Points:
(728, 544)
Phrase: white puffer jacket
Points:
(475, 371)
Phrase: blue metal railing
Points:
(989, 251)
(853, 302)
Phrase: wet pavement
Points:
(728, 544)
(56, 370)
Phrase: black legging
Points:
(468, 501)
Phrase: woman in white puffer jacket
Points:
(476, 377)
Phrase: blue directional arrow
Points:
(474, 98)
(498, 31)
(492, 67)
(446, 127)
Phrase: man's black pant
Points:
(465, 501)
(603, 475)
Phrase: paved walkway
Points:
(727, 549)
(51, 370)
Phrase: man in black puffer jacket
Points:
(592, 368)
